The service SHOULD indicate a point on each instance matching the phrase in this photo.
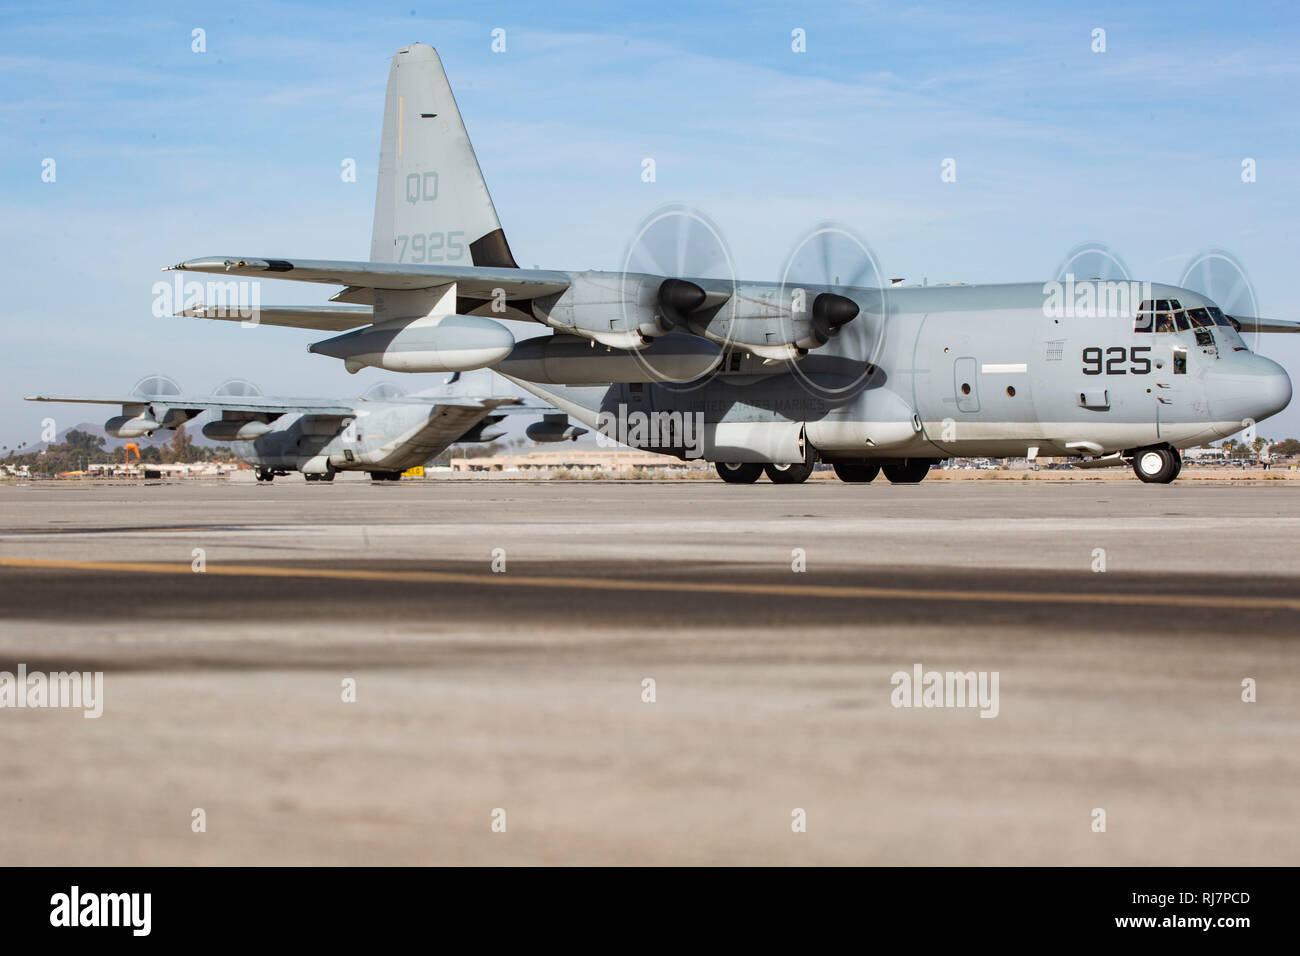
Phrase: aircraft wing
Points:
(234, 403)
(524, 410)
(327, 318)
(498, 405)
(471, 281)
(1253, 323)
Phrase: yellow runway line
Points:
(851, 592)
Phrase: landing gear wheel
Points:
(909, 472)
(856, 471)
(788, 474)
(264, 474)
(738, 473)
(328, 476)
(385, 476)
(1157, 466)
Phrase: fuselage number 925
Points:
(1112, 361)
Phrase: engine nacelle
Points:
(621, 310)
(554, 428)
(629, 311)
(450, 343)
(132, 426)
(777, 321)
(485, 431)
(236, 430)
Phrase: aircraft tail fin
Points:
(431, 205)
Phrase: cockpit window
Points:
(1168, 315)
(1217, 314)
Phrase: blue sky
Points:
(164, 154)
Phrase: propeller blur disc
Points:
(236, 387)
(833, 281)
(383, 391)
(154, 387)
(1221, 278)
(677, 244)
(1093, 260)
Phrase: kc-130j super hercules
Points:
(383, 433)
(829, 363)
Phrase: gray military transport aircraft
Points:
(863, 373)
(383, 433)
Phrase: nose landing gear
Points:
(1159, 465)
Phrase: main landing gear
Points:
(263, 474)
(746, 473)
(1158, 466)
(323, 476)
(906, 472)
(739, 473)
(789, 474)
(385, 476)
(855, 472)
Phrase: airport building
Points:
(622, 461)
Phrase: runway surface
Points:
(501, 634)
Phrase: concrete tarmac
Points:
(502, 635)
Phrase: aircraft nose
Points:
(1255, 389)
(1274, 389)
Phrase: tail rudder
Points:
(431, 204)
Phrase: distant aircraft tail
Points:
(432, 205)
